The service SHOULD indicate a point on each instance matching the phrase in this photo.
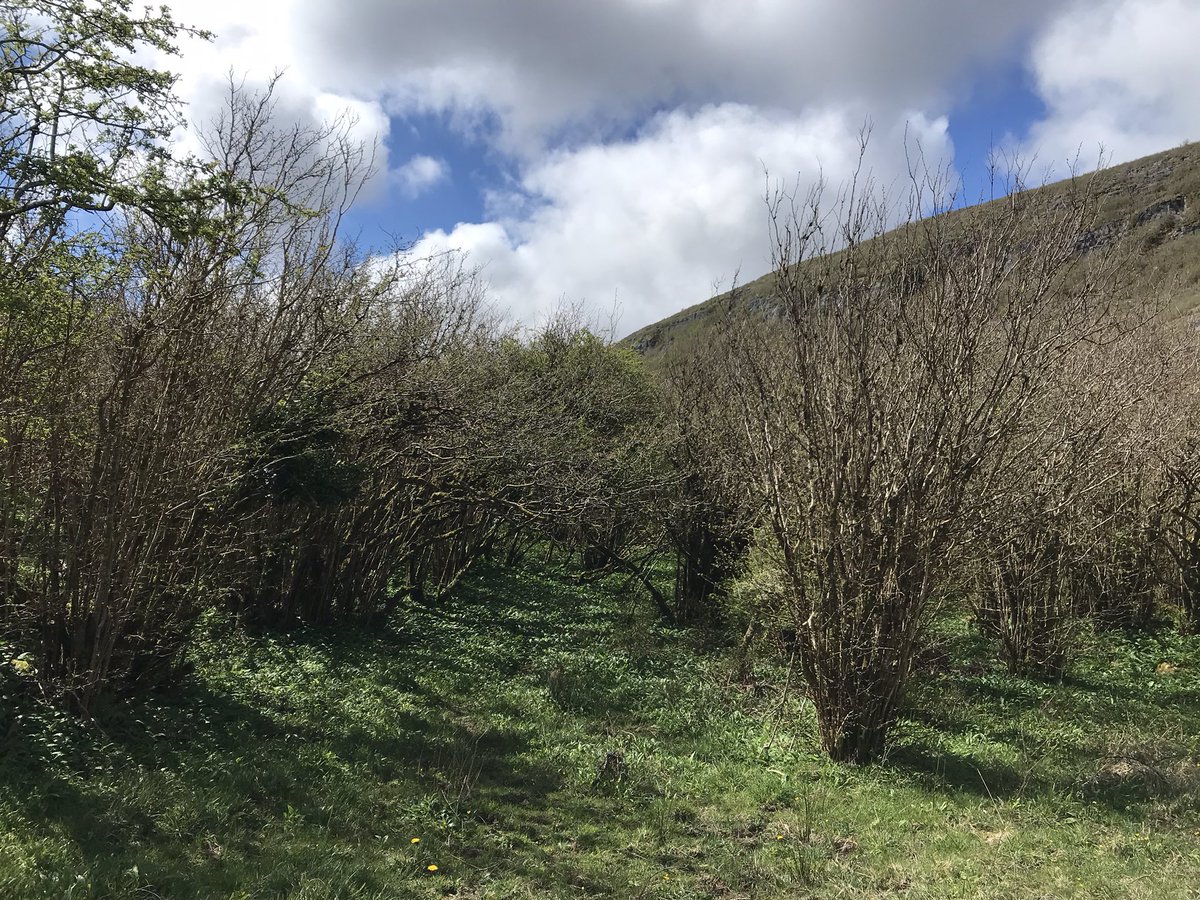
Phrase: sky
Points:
(614, 154)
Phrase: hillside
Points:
(1154, 202)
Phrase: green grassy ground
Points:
(467, 738)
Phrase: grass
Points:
(1164, 257)
(470, 735)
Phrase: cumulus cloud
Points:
(586, 70)
(1121, 73)
(652, 222)
(420, 173)
(634, 132)
(253, 43)
(637, 130)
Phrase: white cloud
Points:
(420, 173)
(608, 205)
(635, 131)
(253, 43)
(1121, 73)
(651, 223)
(541, 71)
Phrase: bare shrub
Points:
(1180, 530)
(1139, 506)
(887, 406)
(1072, 535)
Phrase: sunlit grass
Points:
(458, 753)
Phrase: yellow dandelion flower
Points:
(779, 837)
(431, 868)
(415, 841)
(666, 877)
(21, 665)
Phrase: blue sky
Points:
(998, 111)
(615, 154)
(472, 169)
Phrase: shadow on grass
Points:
(242, 763)
(1002, 737)
(958, 772)
(273, 750)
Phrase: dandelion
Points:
(431, 868)
(666, 877)
(415, 841)
(21, 665)
(779, 837)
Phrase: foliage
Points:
(710, 518)
(81, 123)
(210, 399)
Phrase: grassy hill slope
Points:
(1154, 202)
